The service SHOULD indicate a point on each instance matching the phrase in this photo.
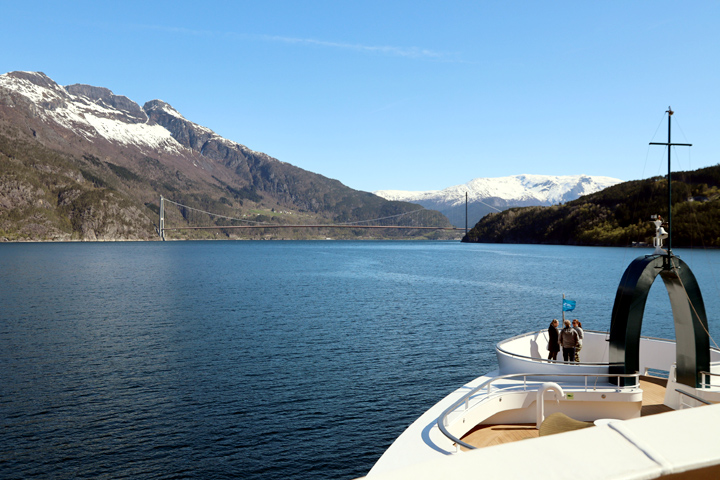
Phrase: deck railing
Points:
(705, 383)
(442, 421)
(694, 397)
(561, 362)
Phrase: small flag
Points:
(568, 305)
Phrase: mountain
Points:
(81, 163)
(486, 195)
(616, 216)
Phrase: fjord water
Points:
(255, 360)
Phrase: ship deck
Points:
(489, 435)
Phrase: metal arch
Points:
(692, 339)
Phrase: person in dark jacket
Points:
(568, 340)
(554, 341)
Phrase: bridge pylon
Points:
(161, 228)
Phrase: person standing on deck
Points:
(568, 340)
(578, 328)
(553, 340)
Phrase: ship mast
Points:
(669, 179)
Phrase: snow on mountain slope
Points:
(88, 116)
(543, 189)
(486, 195)
(191, 135)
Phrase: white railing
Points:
(707, 383)
(443, 421)
(502, 348)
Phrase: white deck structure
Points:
(510, 395)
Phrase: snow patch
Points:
(539, 189)
(89, 118)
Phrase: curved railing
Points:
(544, 360)
(560, 362)
(442, 419)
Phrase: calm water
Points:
(255, 360)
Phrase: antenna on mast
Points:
(669, 144)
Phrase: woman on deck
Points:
(553, 342)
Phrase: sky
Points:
(404, 95)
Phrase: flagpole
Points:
(563, 309)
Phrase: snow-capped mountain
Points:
(91, 112)
(96, 114)
(94, 120)
(486, 195)
(80, 162)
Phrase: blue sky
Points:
(407, 95)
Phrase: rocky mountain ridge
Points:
(82, 163)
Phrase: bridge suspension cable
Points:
(257, 224)
(162, 199)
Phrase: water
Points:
(255, 360)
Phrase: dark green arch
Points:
(691, 334)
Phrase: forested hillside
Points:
(616, 216)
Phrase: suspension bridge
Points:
(410, 221)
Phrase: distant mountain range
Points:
(81, 163)
(488, 195)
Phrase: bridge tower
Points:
(161, 228)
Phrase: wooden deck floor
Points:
(488, 435)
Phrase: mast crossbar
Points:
(669, 143)
(673, 144)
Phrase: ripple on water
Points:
(265, 359)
